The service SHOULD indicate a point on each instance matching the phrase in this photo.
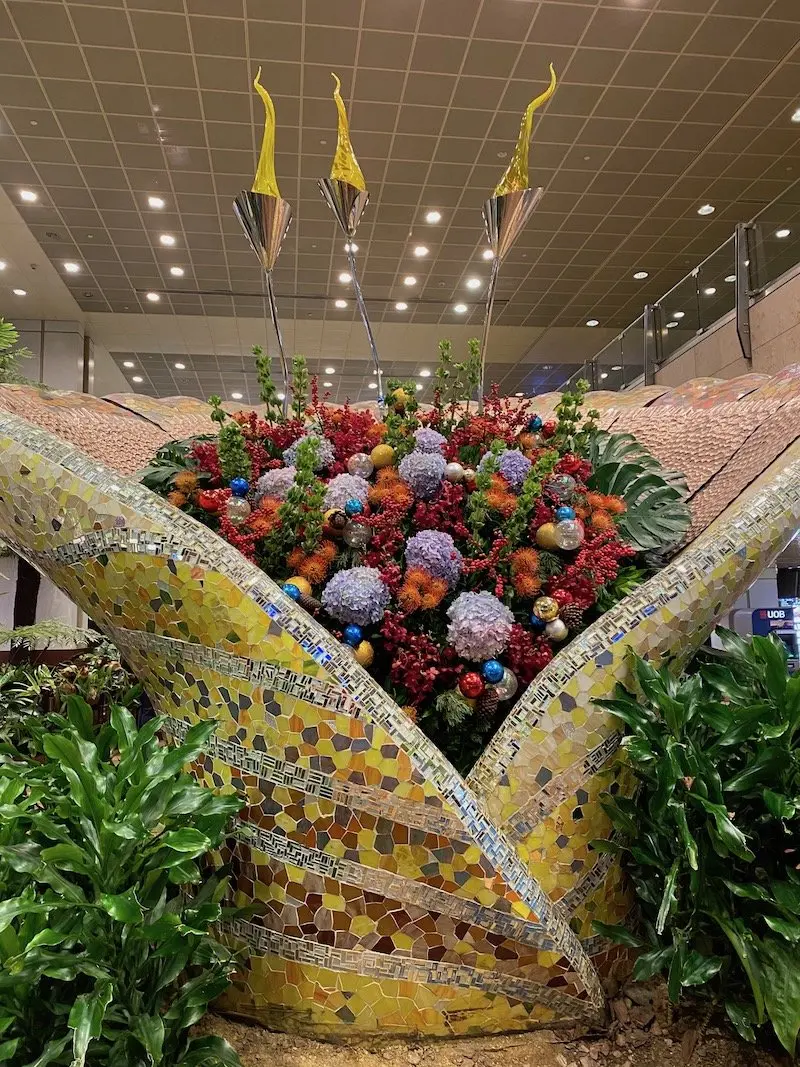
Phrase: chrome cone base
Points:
(265, 220)
(505, 218)
(345, 201)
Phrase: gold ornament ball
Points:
(301, 583)
(545, 608)
(399, 399)
(546, 536)
(336, 520)
(364, 653)
(382, 456)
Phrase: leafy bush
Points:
(105, 954)
(711, 840)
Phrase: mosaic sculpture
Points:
(397, 897)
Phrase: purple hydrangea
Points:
(480, 625)
(513, 465)
(428, 440)
(436, 554)
(346, 487)
(275, 483)
(325, 455)
(424, 472)
(358, 595)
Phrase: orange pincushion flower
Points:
(526, 584)
(581, 513)
(295, 558)
(525, 561)
(615, 505)
(328, 551)
(420, 590)
(265, 518)
(501, 501)
(185, 482)
(388, 476)
(260, 525)
(176, 498)
(315, 569)
(601, 520)
(596, 500)
(376, 433)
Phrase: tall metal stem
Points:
(273, 310)
(362, 307)
(487, 323)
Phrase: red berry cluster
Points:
(527, 654)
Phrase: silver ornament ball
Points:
(569, 534)
(561, 487)
(454, 472)
(360, 464)
(237, 509)
(355, 535)
(508, 685)
(556, 630)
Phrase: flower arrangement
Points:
(453, 552)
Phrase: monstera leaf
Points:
(656, 515)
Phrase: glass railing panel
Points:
(609, 367)
(776, 239)
(632, 352)
(680, 315)
(716, 285)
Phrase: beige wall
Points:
(775, 330)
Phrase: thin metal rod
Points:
(362, 307)
(487, 322)
(273, 310)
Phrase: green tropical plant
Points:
(711, 840)
(656, 511)
(105, 951)
(11, 353)
(172, 459)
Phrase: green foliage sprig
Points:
(569, 416)
(234, 459)
(710, 842)
(300, 386)
(11, 353)
(218, 413)
(301, 514)
(266, 387)
(401, 417)
(456, 382)
(106, 953)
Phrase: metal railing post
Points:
(743, 248)
(653, 347)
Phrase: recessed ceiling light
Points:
(156, 201)
(617, 367)
(281, 396)
(679, 314)
(473, 283)
(3, 264)
(706, 209)
(460, 309)
(419, 387)
(730, 278)
(421, 250)
(351, 246)
(409, 280)
(72, 268)
(593, 322)
(341, 303)
(28, 195)
(401, 305)
(327, 385)
(488, 253)
(640, 275)
(782, 232)
(153, 297)
(345, 278)
(433, 217)
(373, 385)
(236, 396)
(182, 366)
(330, 370)
(137, 378)
(19, 292)
(177, 272)
(796, 115)
(604, 375)
(167, 239)
(519, 394)
(128, 364)
(710, 290)
(424, 373)
(671, 325)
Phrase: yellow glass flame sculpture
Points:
(395, 896)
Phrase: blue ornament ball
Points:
(493, 671)
(353, 635)
(563, 513)
(535, 424)
(240, 486)
(536, 622)
(291, 590)
(353, 507)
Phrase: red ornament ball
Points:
(471, 685)
(549, 428)
(208, 500)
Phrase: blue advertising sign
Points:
(773, 621)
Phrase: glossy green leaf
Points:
(779, 805)
(8, 1049)
(780, 965)
(743, 1018)
(669, 897)
(651, 963)
(742, 942)
(209, 1052)
(149, 1032)
(699, 969)
(785, 927)
(124, 907)
(620, 935)
(86, 1019)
